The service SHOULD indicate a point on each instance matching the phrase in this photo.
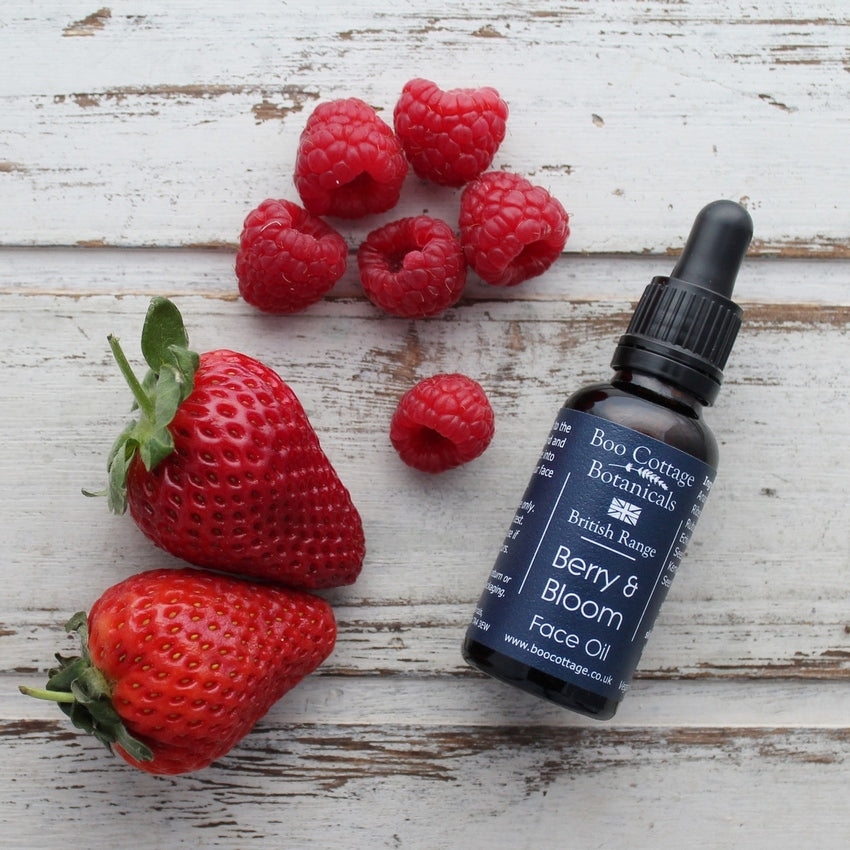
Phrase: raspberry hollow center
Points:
(429, 440)
(395, 260)
(535, 252)
(362, 185)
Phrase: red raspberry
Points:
(449, 137)
(442, 422)
(510, 230)
(287, 259)
(413, 267)
(349, 162)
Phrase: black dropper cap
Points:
(684, 325)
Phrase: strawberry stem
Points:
(43, 693)
(139, 394)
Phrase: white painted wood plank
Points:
(476, 702)
(181, 272)
(745, 604)
(504, 781)
(721, 641)
(162, 124)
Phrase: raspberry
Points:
(442, 422)
(449, 137)
(287, 259)
(349, 163)
(510, 230)
(413, 267)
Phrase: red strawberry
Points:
(177, 666)
(224, 470)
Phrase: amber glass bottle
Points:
(619, 486)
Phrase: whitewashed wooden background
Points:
(134, 138)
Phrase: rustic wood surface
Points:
(134, 138)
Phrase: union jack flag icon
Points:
(624, 511)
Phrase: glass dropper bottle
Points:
(603, 525)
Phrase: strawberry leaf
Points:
(156, 398)
(185, 363)
(168, 394)
(163, 330)
(116, 485)
(157, 447)
(83, 693)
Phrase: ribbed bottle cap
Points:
(685, 325)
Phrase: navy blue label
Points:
(591, 552)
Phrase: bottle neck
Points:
(659, 391)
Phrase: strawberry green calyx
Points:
(82, 692)
(169, 382)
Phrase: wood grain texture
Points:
(134, 137)
(391, 785)
(152, 123)
(349, 365)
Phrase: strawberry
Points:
(223, 469)
(177, 666)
